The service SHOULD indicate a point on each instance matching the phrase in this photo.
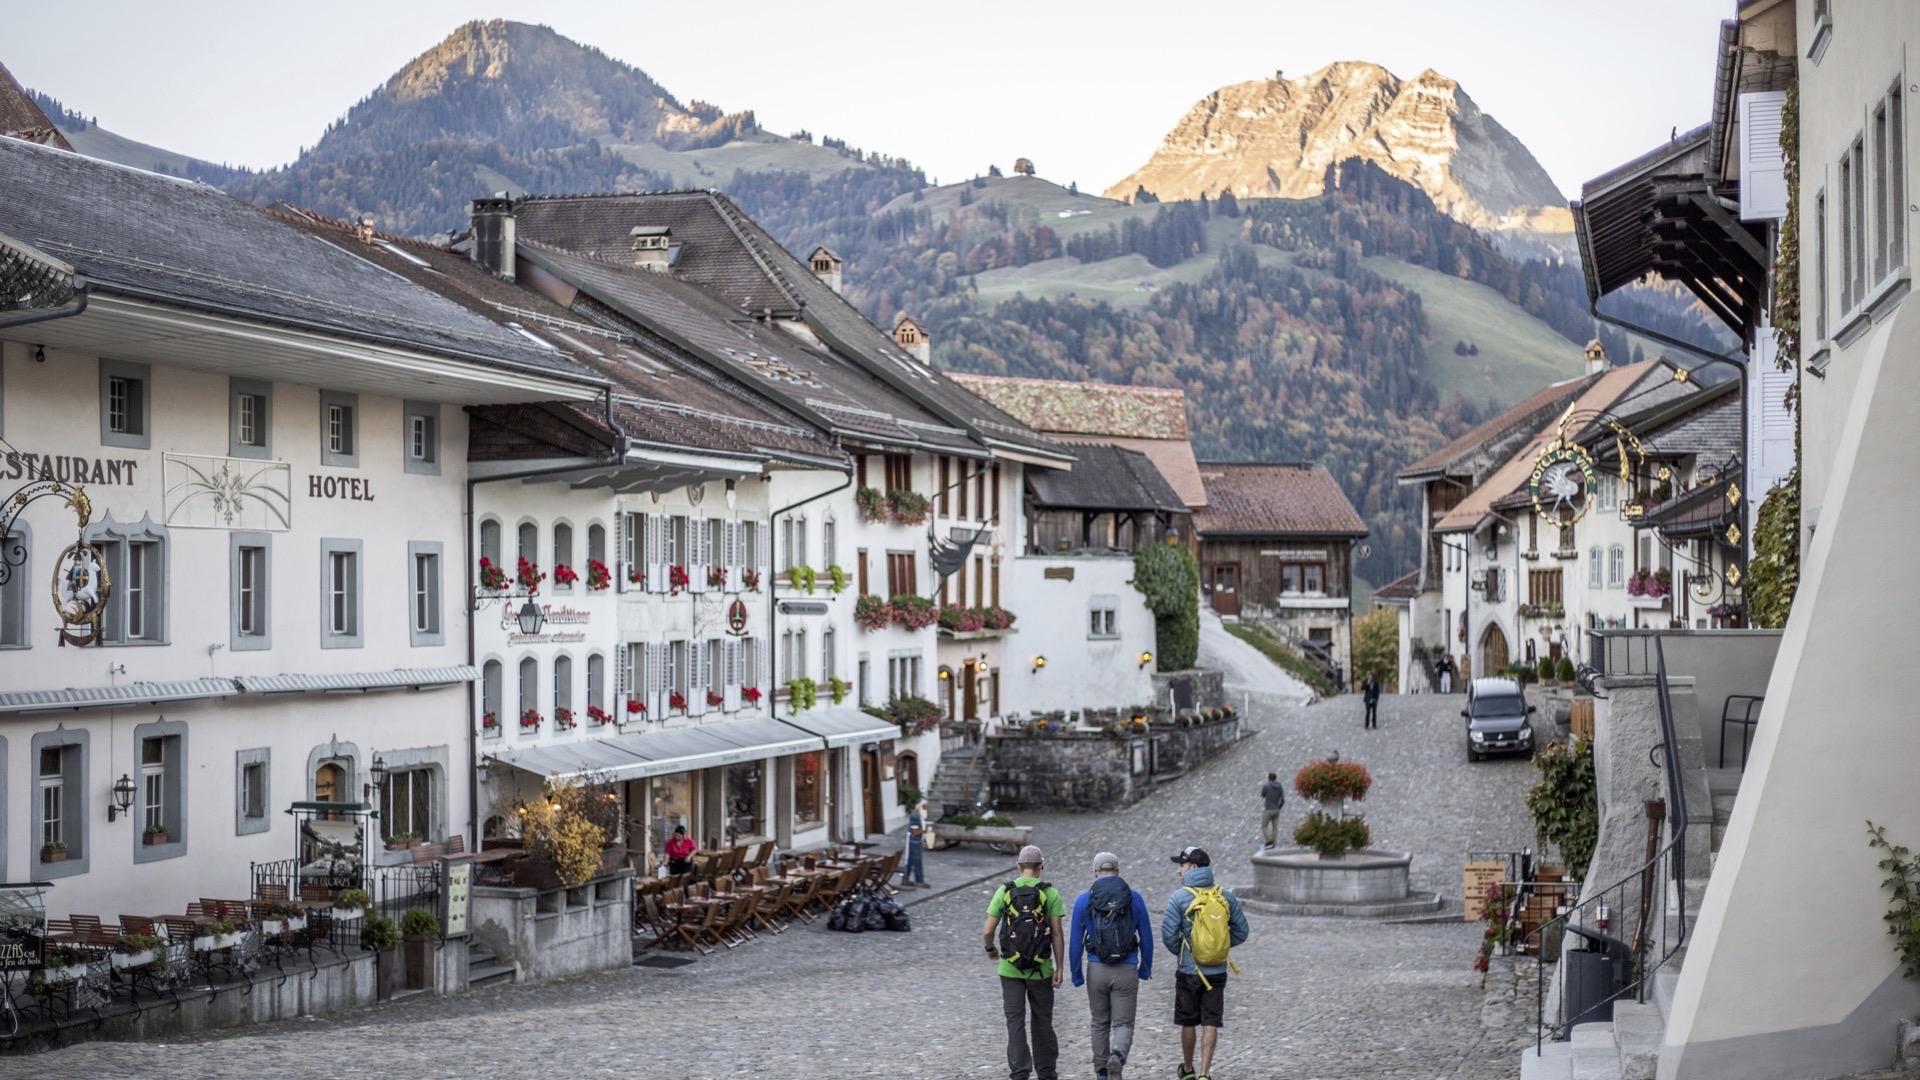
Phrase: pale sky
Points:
(1086, 90)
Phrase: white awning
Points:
(844, 725)
(662, 751)
(419, 678)
(107, 697)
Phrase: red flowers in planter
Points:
(715, 700)
(634, 707)
(872, 612)
(598, 715)
(676, 579)
(910, 611)
(563, 719)
(530, 719)
(598, 576)
(677, 700)
(489, 722)
(751, 579)
(717, 576)
(530, 575)
(492, 578)
(564, 574)
(751, 694)
(636, 576)
(1332, 780)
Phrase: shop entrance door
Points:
(970, 691)
(1225, 580)
(870, 792)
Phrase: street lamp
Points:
(378, 770)
(122, 797)
(531, 618)
(1145, 659)
(1038, 663)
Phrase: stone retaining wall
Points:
(1096, 771)
(553, 933)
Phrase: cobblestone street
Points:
(1317, 998)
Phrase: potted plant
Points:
(750, 694)
(637, 575)
(419, 927)
(870, 504)
(564, 576)
(53, 851)
(1545, 670)
(139, 950)
(598, 576)
(530, 719)
(999, 618)
(282, 919)
(218, 935)
(802, 693)
(837, 688)
(489, 723)
(636, 707)
(1566, 672)
(530, 575)
(379, 934)
(153, 834)
(837, 578)
(1332, 782)
(715, 701)
(349, 906)
(716, 577)
(906, 507)
(492, 578)
(802, 578)
(563, 719)
(401, 841)
(676, 579)
(751, 579)
(1332, 836)
(598, 716)
(912, 611)
(872, 612)
(63, 966)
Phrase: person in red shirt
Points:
(680, 849)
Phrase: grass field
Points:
(1126, 282)
(715, 166)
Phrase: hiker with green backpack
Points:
(1202, 924)
(1027, 943)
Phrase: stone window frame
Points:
(155, 589)
(351, 402)
(245, 824)
(596, 659)
(329, 546)
(493, 684)
(142, 374)
(74, 768)
(430, 412)
(262, 638)
(344, 754)
(437, 634)
(174, 781)
(1110, 604)
(238, 388)
(437, 760)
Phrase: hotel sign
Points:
(67, 468)
(563, 626)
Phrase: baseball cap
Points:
(1194, 856)
(1106, 860)
(1029, 856)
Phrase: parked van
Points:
(1498, 719)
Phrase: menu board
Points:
(459, 891)
(1474, 879)
(23, 926)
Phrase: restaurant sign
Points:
(563, 625)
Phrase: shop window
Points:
(745, 792)
(406, 804)
(809, 785)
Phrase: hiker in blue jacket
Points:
(1199, 991)
(1112, 931)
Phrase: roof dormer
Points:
(911, 336)
(826, 266)
(652, 246)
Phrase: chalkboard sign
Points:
(23, 926)
(1182, 688)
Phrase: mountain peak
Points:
(1275, 138)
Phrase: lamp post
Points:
(122, 797)
(378, 770)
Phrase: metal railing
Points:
(391, 891)
(1654, 895)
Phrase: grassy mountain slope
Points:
(1518, 353)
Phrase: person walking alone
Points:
(1202, 924)
(1112, 933)
(1028, 951)
(1443, 667)
(1370, 693)
(916, 869)
(1273, 795)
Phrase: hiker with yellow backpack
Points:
(1202, 924)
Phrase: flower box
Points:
(751, 579)
(531, 720)
(751, 694)
(60, 976)
(563, 720)
(598, 715)
(492, 578)
(598, 576)
(123, 961)
(153, 837)
(53, 854)
(529, 575)
(676, 579)
(346, 914)
(217, 942)
(717, 577)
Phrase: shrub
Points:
(915, 715)
(378, 933)
(910, 796)
(353, 898)
(1565, 803)
(1774, 573)
(1545, 669)
(137, 943)
(1328, 780)
(1566, 671)
(1169, 579)
(564, 828)
(1902, 883)
(1331, 835)
(872, 612)
(1376, 648)
(419, 922)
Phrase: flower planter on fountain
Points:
(1334, 870)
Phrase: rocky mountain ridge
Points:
(1275, 138)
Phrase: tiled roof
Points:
(1252, 499)
(1085, 408)
(20, 118)
(185, 244)
(1517, 421)
(658, 398)
(1400, 589)
(1601, 395)
(1105, 477)
(1173, 457)
(1692, 514)
(727, 253)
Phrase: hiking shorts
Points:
(1196, 1006)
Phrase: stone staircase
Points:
(960, 781)
(485, 969)
(1628, 1046)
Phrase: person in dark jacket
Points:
(1370, 693)
(1112, 982)
(1273, 794)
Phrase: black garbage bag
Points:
(853, 917)
(875, 919)
(899, 921)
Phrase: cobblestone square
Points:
(1317, 999)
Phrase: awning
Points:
(844, 725)
(638, 755)
(107, 697)
(420, 678)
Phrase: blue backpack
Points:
(1112, 936)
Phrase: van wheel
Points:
(1471, 756)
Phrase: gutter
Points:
(81, 291)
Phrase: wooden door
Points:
(1225, 581)
(1493, 650)
(970, 692)
(870, 793)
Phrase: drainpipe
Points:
(81, 291)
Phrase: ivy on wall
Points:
(1169, 579)
(1773, 575)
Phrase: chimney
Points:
(652, 247)
(826, 266)
(1596, 357)
(911, 336)
(491, 244)
(364, 228)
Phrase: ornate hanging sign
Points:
(1563, 481)
(737, 617)
(80, 585)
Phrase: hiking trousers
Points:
(1113, 990)
(1019, 997)
(1270, 827)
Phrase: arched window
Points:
(529, 686)
(563, 548)
(596, 543)
(490, 541)
(1616, 566)
(529, 542)
(1595, 567)
(490, 690)
(562, 685)
(597, 680)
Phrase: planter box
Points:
(419, 951)
(153, 838)
(275, 927)
(60, 976)
(217, 942)
(125, 960)
(53, 856)
(346, 914)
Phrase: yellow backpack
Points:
(1210, 931)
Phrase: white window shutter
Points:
(696, 678)
(732, 560)
(1769, 424)
(658, 654)
(656, 554)
(1763, 168)
(696, 554)
(621, 525)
